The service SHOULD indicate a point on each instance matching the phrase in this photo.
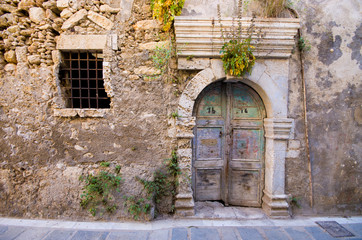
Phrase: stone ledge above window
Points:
(83, 113)
(86, 42)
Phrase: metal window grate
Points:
(82, 77)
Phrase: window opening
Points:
(81, 75)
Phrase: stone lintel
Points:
(275, 206)
(86, 42)
(278, 128)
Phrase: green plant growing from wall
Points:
(166, 10)
(161, 57)
(294, 201)
(174, 115)
(97, 191)
(136, 206)
(164, 183)
(237, 52)
(303, 45)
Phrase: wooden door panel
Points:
(208, 184)
(229, 145)
(247, 144)
(244, 104)
(211, 104)
(209, 143)
(244, 188)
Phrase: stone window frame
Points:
(105, 43)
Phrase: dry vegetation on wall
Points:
(274, 8)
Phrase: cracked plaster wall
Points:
(333, 84)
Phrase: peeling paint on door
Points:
(228, 162)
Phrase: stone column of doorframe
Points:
(184, 199)
(184, 204)
(277, 134)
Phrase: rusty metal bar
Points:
(84, 80)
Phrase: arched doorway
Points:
(228, 147)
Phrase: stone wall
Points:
(42, 153)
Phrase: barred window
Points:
(81, 75)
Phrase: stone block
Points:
(36, 14)
(74, 19)
(10, 56)
(10, 67)
(13, 29)
(184, 153)
(56, 57)
(250, 233)
(258, 70)
(100, 20)
(60, 234)
(26, 4)
(199, 82)
(66, 13)
(69, 112)
(34, 59)
(6, 20)
(49, 14)
(20, 53)
(204, 233)
(62, 4)
(7, 8)
(159, 235)
(152, 45)
(109, 9)
(179, 234)
(193, 64)
(126, 8)
(73, 42)
(217, 68)
(147, 25)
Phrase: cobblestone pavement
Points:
(177, 229)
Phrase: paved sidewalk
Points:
(177, 229)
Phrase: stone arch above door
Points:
(270, 79)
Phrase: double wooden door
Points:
(228, 148)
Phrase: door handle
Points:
(220, 134)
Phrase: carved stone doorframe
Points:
(270, 79)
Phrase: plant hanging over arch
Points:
(237, 52)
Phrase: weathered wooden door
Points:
(228, 148)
